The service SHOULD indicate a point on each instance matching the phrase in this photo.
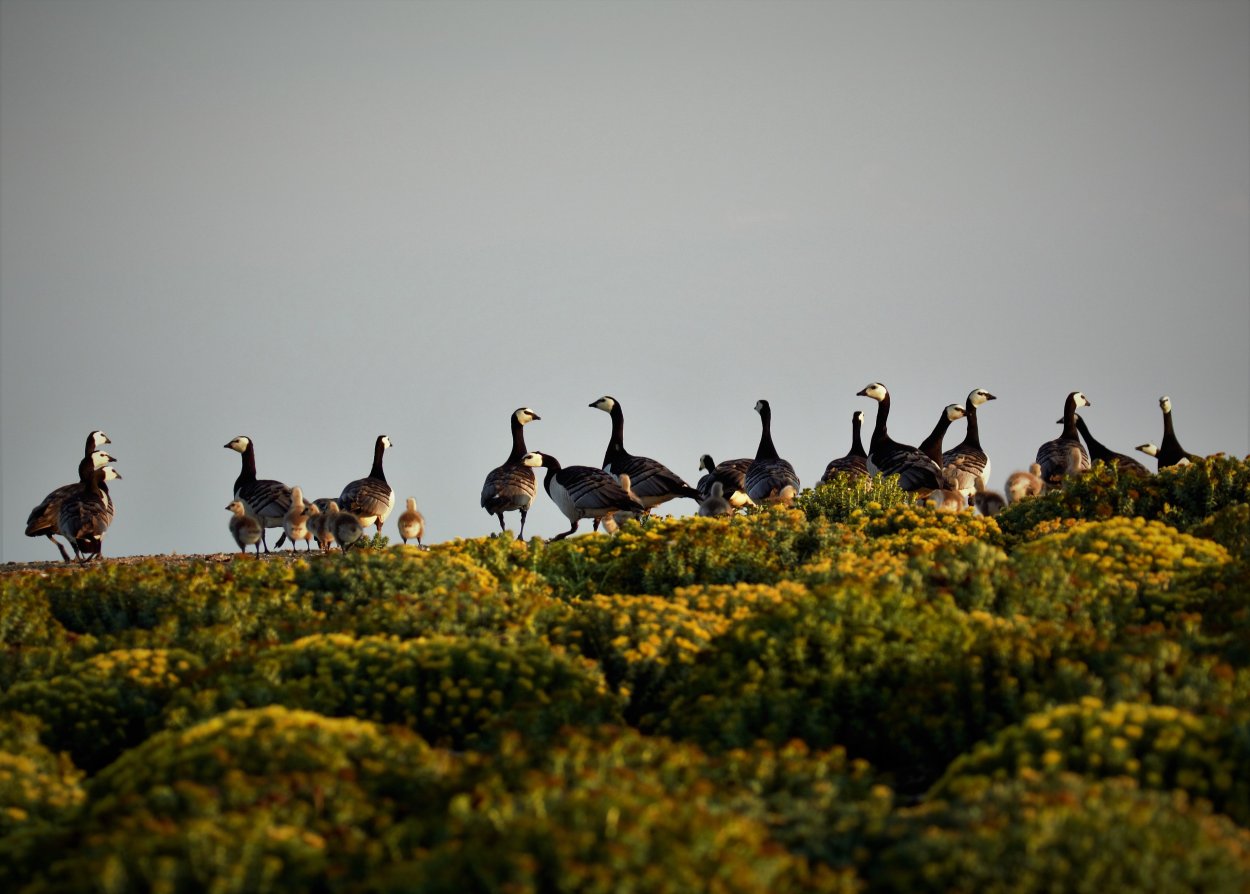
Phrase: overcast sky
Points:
(316, 222)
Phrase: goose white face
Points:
(858, 416)
(954, 411)
(100, 459)
(980, 396)
(533, 460)
(604, 403)
(1148, 449)
(111, 474)
(875, 390)
(99, 438)
(386, 442)
(1081, 400)
(526, 415)
(705, 463)
(1165, 404)
(240, 444)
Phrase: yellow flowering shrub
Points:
(36, 784)
(844, 498)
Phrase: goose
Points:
(266, 499)
(1149, 448)
(346, 527)
(732, 475)
(295, 522)
(42, 519)
(512, 486)
(969, 461)
(989, 502)
(932, 445)
(627, 485)
(916, 471)
(715, 505)
(370, 499)
(317, 525)
(322, 521)
(1097, 451)
(1064, 455)
(86, 513)
(770, 479)
(1171, 453)
(855, 463)
(653, 482)
(947, 498)
(1024, 484)
(581, 491)
(245, 528)
(412, 522)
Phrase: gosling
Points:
(244, 527)
(716, 505)
(412, 523)
(295, 521)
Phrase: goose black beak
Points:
(863, 392)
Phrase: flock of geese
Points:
(627, 486)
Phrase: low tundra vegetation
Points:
(858, 694)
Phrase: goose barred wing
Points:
(266, 499)
(1061, 457)
(43, 518)
(84, 515)
(651, 481)
(368, 499)
(766, 478)
(1128, 465)
(511, 486)
(854, 466)
(594, 490)
(969, 466)
(915, 471)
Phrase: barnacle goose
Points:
(1024, 484)
(652, 481)
(1171, 453)
(1098, 451)
(346, 527)
(715, 505)
(412, 522)
(916, 471)
(581, 491)
(266, 498)
(370, 499)
(855, 463)
(932, 445)
(769, 478)
(245, 528)
(512, 486)
(732, 476)
(971, 465)
(42, 519)
(1065, 455)
(86, 513)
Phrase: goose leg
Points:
(64, 554)
(521, 534)
(566, 533)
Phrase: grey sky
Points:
(317, 222)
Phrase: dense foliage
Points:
(856, 694)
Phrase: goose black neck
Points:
(552, 465)
(972, 437)
(378, 449)
(90, 448)
(616, 445)
(879, 433)
(247, 474)
(1096, 450)
(85, 468)
(932, 445)
(766, 449)
(1169, 434)
(857, 444)
(518, 441)
(1069, 418)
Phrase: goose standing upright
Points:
(42, 521)
(1126, 464)
(370, 499)
(970, 463)
(1171, 453)
(916, 472)
(412, 523)
(770, 479)
(86, 513)
(581, 491)
(245, 528)
(652, 481)
(715, 505)
(512, 486)
(855, 463)
(265, 498)
(1064, 455)
(295, 522)
(932, 445)
(732, 475)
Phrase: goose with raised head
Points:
(295, 522)
(653, 482)
(932, 445)
(970, 462)
(43, 518)
(769, 478)
(1065, 455)
(370, 499)
(581, 491)
(855, 463)
(1097, 451)
(915, 470)
(1024, 484)
(412, 523)
(716, 505)
(85, 514)
(245, 528)
(512, 486)
(1171, 453)
(266, 498)
(732, 475)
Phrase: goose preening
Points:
(1097, 451)
(266, 499)
(42, 521)
(581, 491)
(412, 522)
(295, 522)
(245, 528)
(855, 463)
(971, 465)
(370, 499)
(512, 486)
(715, 505)
(346, 527)
(1024, 484)
(916, 472)
(769, 478)
(1171, 453)
(652, 481)
(1065, 455)
(86, 513)
(732, 476)
(932, 445)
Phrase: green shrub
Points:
(36, 785)
(845, 497)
